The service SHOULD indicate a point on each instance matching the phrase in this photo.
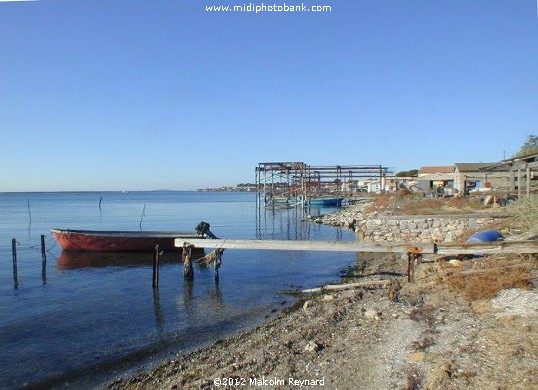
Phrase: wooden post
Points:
(43, 260)
(410, 268)
(15, 275)
(412, 258)
(43, 249)
(29, 213)
(188, 271)
(518, 182)
(528, 173)
(155, 283)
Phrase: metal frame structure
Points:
(295, 183)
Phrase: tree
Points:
(410, 173)
(529, 147)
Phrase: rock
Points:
(328, 297)
(455, 263)
(312, 346)
(307, 304)
(372, 313)
(417, 357)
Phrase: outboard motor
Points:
(203, 230)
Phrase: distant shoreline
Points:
(90, 192)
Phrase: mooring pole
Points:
(43, 249)
(14, 250)
(43, 260)
(188, 271)
(156, 267)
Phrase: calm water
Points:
(86, 318)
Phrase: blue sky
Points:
(136, 95)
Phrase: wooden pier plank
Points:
(529, 246)
(302, 245)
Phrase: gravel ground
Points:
(423, 335)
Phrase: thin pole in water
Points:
(14, 250)
(142, 216)
(43, 260)
(29, 212)
(43, 249)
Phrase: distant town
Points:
(291, 179)
(247, 187)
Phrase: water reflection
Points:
(44, 270)
(216, 298)
(197, 304)
(159, 317)
(77, 260)
(278, 223)
(188, 294)
(290, 223)
(15, 274)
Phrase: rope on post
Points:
(210, 258)
(214, 257)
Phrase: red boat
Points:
(118, 241)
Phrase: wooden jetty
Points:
(414, 251)
(530, 246)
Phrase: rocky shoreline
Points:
(434, 333)
(389, 227)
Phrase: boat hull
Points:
(485, 236)
(117, 241)
(326, 201)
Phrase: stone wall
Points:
(407, 228)
(433, 228)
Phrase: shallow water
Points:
(83, 318)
